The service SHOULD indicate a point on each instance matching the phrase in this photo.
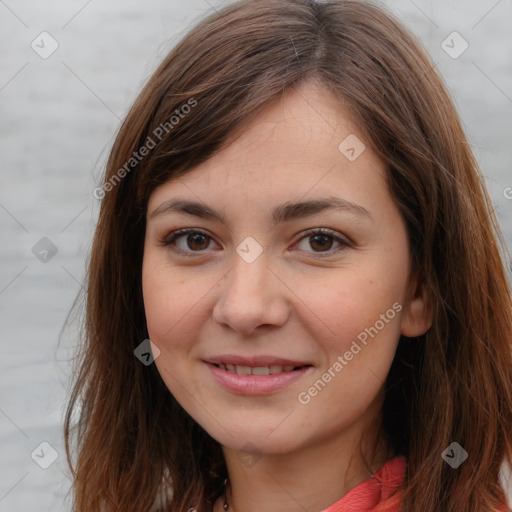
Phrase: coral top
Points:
(374, 494)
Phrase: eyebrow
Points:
(282, 213)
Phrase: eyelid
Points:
(168, 240)
(326, 231)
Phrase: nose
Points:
(252, 296)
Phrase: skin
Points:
(289, 302)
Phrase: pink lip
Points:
(256, 384)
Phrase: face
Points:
(276, 280)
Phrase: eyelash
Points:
(170, 240)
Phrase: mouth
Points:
(258, 375)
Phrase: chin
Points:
(252, 439)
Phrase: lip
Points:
(255, 385)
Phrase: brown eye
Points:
(188, 241)
(322, 241)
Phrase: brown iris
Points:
(196, 240)
(322, 239)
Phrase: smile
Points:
(260, 379)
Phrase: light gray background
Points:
(58, 119)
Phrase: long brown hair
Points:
(452, 384)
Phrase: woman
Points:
(292, 215)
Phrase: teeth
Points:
(256, 370)
(261, 370)
(275, 368)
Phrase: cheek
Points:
(175, 306)
(166, 298)
(347, 304)
(169, 319)
(169, 309)
(358, 332)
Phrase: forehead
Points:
(306, 145)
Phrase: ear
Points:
(418, 316)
